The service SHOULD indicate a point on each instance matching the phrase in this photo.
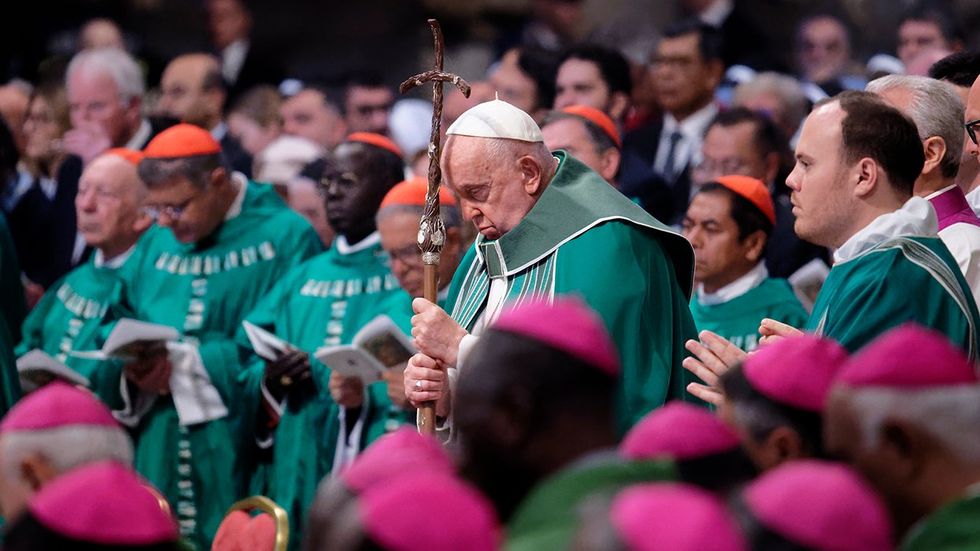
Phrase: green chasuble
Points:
(12, 311)
(205, 289)
(899, 280)
(69, 318)
(583, 237)
(955, 527)
(738, 319)
(548, 516)
(323, 302)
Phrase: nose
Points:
(85, 200)
(793, 180)
(694, 236)
(165, 220)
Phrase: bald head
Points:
(100, 33)
(193, 90)
(107, 206)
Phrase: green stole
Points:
(583, 237)
(205, 289)
(900, 280)
(738, 319)
(954, 527)
(548, 516)
(324, 301)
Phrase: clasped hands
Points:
(437, 337)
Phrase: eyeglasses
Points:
(408, 255)
(971, 131)
(173, 212)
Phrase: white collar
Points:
(343, 247)
(745, 283)
(219, 131)
(241, 183)
(717, 12)
(915, 218)
(142, 135)
(693, 127)
(935, 194)
(113, 263)
(974, 199)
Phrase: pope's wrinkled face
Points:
(490, 187)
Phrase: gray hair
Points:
(196, 168)
(951, 414)
(65, 447)
(936, 110)
(787, 88)
(116, 63)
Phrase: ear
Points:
(515, 416)
(532, 175)
(135, 107)
(36, 471)
(784, 444)
(934, 148)
(619, 102)
(219, 177)
(142, 222)
(754, 244)
(609, 164)
(771, 163)
(902, 448)
(865, 176)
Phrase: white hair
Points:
(936, 109)
(116, 63)
(65, 447)
(786, 88)
(951, 414)
(501, 151)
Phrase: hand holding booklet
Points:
(127, 335)
(266, 345)
(379, 345)
(37, 368)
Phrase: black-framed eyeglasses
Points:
(971, 131)
(173, 212)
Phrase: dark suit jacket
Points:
(235, 155)
(665, 201)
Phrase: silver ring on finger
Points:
(418, 384)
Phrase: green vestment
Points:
(70, 317)
(548, 517)
(583, 237)
(955, 527)
(323, 302)
(204, 290)
(738, 319)
(900, 280)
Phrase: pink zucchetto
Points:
(678, 517)
(567, 324)
(796, 371)
(104, 503)
(455, 515)
(909, 356)
(57, 404)
(402, 451)
(678, 431)
(821, 505)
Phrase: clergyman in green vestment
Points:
(728, 223)
(856, 165)
(318, 420)
(550, 226)
(220, 245)
(69, 316)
